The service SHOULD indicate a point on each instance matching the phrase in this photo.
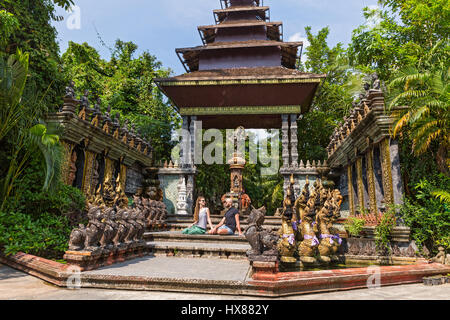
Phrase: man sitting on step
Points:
(230, 222)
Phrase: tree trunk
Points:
(442, 159)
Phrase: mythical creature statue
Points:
(308, 247)
(324, 223)
(95, 228)
(263, 243)
(287, 242)
(123, 228)
(110, 230)
(77, 238)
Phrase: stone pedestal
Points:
(87, 260)
(265, 267)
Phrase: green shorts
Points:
(194, 230)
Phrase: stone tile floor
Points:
(180, 268)
(16, 285)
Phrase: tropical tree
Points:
(125, 82)
(425, 90)
(335, 96)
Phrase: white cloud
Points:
(298, 37)
(375, 20)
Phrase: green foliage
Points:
(44, 236)
(426, 92)
(428, 217)
(8, 24)
(13, 77)
(404, 32)
(125, 82)
(334, 98)
(52, 151)
(37, 36)
(354, 226)
(30, 198)
(383, 230)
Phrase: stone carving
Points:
(441, 257)
(70, 90)
(263, 243)
(77, 238)
(376, 82)
(72, 168)
(94, 229)
(287, 239)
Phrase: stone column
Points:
(371, 181)
(185, 144)
(190, 188)
(193, 132)
(285, 140)
(294, 141)
(387, 171)
(351, 199)
(397, 182)
(360, 184)
(378, 172)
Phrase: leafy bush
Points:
(384, 229)
(354, 226)
(427, 216)
(31, 199)
(46, 236)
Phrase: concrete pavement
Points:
(16, 285)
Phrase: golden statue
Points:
(287, 244)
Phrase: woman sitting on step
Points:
(201, 217)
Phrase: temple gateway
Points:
(244, 75)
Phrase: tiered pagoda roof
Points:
(243, 67)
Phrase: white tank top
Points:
(202, 218)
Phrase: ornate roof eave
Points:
(221, 14)
(190, 56)
(274, 29)
(227, 3)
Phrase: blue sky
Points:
(160, 26)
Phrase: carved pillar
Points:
(351, 199)
(87, 174)
(397, 182)
(285, 140)
(123, 175)
(360, 184)
(185, 143)
(371, 181)
(193, 132)
(387, 171)
(294, 141)
(68, 168)
(190, 188)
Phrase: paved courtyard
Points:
(16, 285)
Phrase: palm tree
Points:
(425, 90)
(13, 77)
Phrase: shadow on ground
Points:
(9, 273)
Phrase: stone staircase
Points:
(175, 244)
(177, 223)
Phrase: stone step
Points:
(177, 236)
(199, 249)
(268, 219)
(181, 226)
